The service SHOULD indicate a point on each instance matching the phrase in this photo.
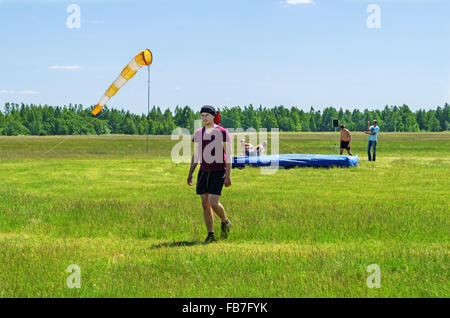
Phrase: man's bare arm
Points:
(229, 156)
(193, 165)
(228, 162)
(194, 162)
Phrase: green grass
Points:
(129, 220)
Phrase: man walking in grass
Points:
(213, 150)
(372, 131)
(345, 140)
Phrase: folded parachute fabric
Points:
(296, 160)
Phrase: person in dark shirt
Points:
(213, 150)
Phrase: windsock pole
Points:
(148, 100)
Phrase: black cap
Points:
(208, 109)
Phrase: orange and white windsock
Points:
(143, 58)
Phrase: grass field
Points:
(134, 227)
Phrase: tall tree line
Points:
(21, 119)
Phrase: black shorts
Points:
(210, 182)
(345, 144)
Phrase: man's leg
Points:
(368, 149)
(342, 151)
(217, 207)
(220, 211)
(207, 213)
(374, 150)
(349, 153)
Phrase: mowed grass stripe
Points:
(145, 268)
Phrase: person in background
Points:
(345, 140)
(246, 147)
(249, 150)
(372, 131)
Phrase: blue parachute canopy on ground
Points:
(296, 160)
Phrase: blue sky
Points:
(228, 53)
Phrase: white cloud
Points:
(65, 67)
(294, 2)
(28, 92)
(23, 92)
(95, 21)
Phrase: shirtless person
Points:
(345, 139)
